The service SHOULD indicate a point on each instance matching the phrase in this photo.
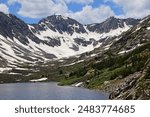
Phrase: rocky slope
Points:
(136, 85)
(122, 69)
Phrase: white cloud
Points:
(11, 1)
(88, 14)
(4, 8)
(79, 1)
(92, 15)
(136, 8)
(43, 8)
(39, 8)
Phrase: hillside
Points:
(123, 70)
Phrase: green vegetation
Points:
(68, 81)
(112, 67)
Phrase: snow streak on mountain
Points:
(54, 37)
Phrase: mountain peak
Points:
(60, 17)
(57, 18)
(62, 24)
(112, 23)
(111, 18)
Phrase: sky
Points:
(84, 11)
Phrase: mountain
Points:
(112, 23)
(134, 37)
(122, 70)
(53, 37)
(113, 56)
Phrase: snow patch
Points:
(92, 55)
(144, 19)
(126, 51)
(38, 80)
(5, 69)
(148, 28)
(77, 84)
(23, 69)
(138, 29)
(74, 63)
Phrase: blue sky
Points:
(84, 11)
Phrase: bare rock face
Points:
(136, 86)
(13, 27)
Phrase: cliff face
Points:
(135, 86)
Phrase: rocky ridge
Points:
(53, 37)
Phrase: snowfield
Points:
(16, 52)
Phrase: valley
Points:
(113, 56)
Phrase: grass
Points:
(68, 81)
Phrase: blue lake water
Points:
(47, 91)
